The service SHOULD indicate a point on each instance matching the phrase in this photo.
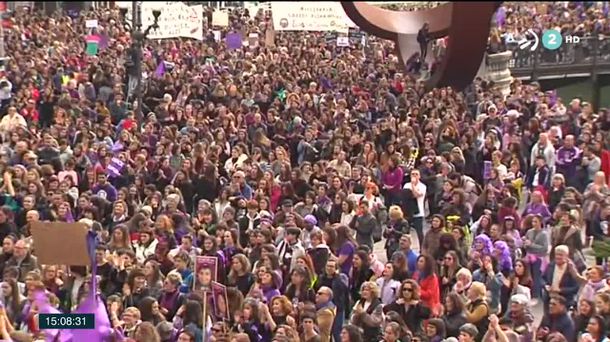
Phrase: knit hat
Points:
(469, 329)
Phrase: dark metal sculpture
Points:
(466, 24)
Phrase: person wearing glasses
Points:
(409, 307)
(326, 312)
(368, 311)
(338, 282)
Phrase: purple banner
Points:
(486, 169)
(115, 167)
(233, 40)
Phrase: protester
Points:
(254, 197)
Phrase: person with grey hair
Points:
(326, 312)
(23, 259)
(558, 278)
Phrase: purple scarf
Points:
(168, 300)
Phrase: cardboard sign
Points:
(270, 37)
(220, 19)
(91, 23)
(58, 243)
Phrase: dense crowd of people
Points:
(246, 203)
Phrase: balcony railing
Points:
(591, 53)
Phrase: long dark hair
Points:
(343, 235)
(458, 304)
(145, 307)
(364, 256)
(193, 313)
(354, 333)
(601, 322)
(429, 266)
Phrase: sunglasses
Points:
(407, 289)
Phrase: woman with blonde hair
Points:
(397, 226)
(368, 311)
(477, 310)
(463, 282)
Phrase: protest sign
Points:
(220, 19)
(253, 40)
(220, 300)
(58, 243)
(343, 41)
(176, 20)
(234, 40)
(206, 271)
(310, 16)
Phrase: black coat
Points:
(413, 316)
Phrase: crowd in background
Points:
(291, 162)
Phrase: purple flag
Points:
(104, 41)
(116, 147)
(233, 40)
(93, 304)
(42, 302)
(501, 16)
(114, 168)
(160, 71)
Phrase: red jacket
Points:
(429, 292)
(605, 157)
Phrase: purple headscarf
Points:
(502, 254)
(486, 242)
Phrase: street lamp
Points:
(137, 43)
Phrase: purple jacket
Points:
(537, 209)
(567, 161)
(393, 178)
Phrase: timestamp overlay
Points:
(66, 321)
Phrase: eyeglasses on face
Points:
(407, 289)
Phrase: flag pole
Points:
(204, 323)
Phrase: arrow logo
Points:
(524, 43)
(536, 40)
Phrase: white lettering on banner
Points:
(310, 16)
(176, 20)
